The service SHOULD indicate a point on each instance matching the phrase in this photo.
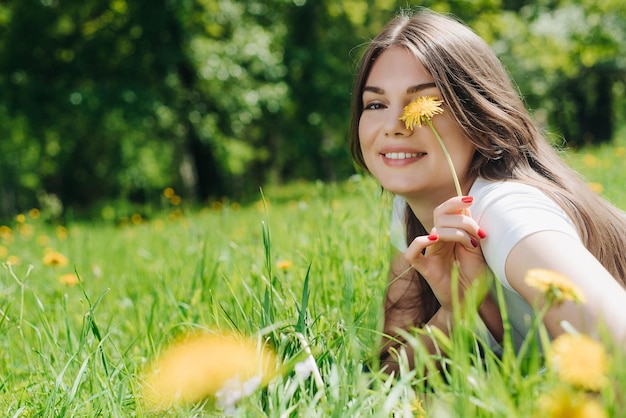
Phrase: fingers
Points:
(418, 247)
(453, 222)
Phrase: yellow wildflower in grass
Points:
(21, 218)
(619, 151)
(168, 192)
(175, 200)
(3, 251)
(579, 361)
(136, 218)
(554, 286)
(562, 403)
(284, 264)
(6, 233)
(70, 279)
(13, 260)
(596, 187)
(200, 366)
(590, 160)
(54, 259)
(422, 110)
(33, 213)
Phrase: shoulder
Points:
(509, 211)
(512, 204)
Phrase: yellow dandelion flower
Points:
(284, 264)
(590, 160)
(596, 187)
(33, 213)
(168, 192)
(197, 367)
(21, 218)
(136, 218)
(175, 200)
(55, 259)
(421, 110)
(562, 403)
(217, 205)
(69, 279)
(554, 285)
(13, 260)
(3, 251)
(619, 151)
(6, 233)
(579, 360)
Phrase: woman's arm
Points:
(605, 299)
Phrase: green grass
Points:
(78, 351)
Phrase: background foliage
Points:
(118, 99)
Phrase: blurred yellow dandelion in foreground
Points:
(561, 403)
(69, 279)
(13, 260)
(3, 251)
(554, 285)
(55, 259)
(284, 264)
(579, 360)
(196, 367)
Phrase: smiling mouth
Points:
(403, 155)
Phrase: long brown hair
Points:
(489, 110)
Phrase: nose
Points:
(394, 126)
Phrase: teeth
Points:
(401, 155)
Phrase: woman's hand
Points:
(454, 239)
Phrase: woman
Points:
(521, 207)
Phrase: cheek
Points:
(365, 132)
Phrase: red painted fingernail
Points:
(474, 242)
(467, 199)
(481, 233)
(433, 237)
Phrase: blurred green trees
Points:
(115, 99)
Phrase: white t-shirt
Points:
(507, 211)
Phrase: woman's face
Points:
(408, 162)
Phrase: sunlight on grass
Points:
(87, 308)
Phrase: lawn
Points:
(86, 307)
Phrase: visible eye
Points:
(374, 106)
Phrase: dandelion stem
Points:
(447, 154)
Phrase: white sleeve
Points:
(510, 211)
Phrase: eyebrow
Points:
(412, 89)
